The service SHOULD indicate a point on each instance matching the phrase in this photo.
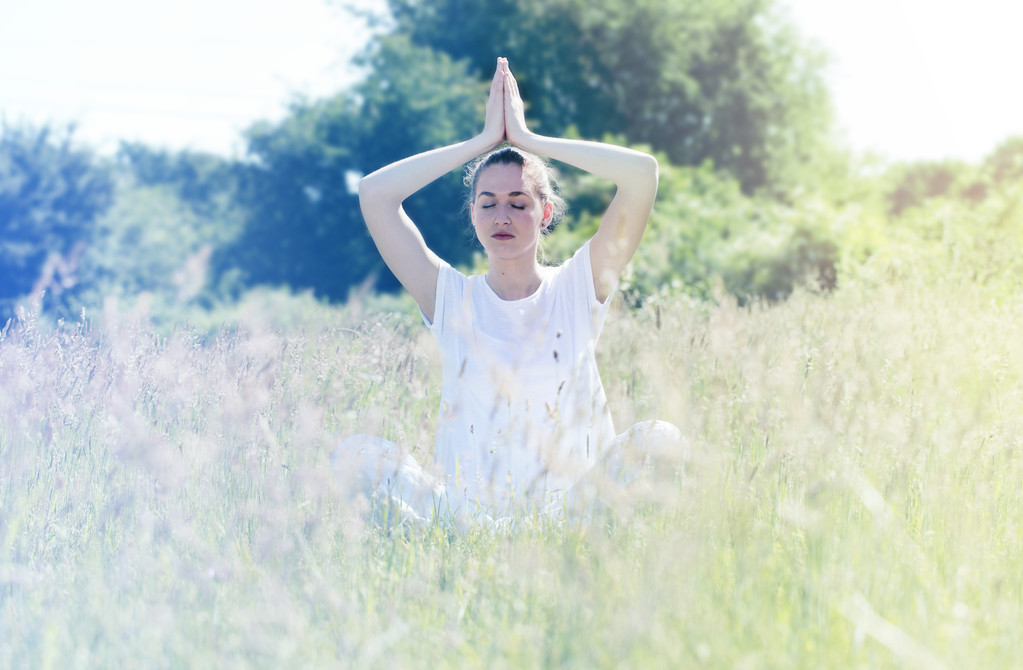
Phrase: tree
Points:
(705, 233)
(725, 81)
(303, 225)
(51, 192)
(143, 244)
(1005, 163)
(915, 183)
(205, 183)
(169, 211)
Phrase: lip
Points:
(503, 236)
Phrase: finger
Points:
(510, 100)
(498, 81)
(511, 90)
(513, 84)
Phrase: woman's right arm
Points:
(381, 194)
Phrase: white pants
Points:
(382, 470)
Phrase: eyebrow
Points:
(512, 194)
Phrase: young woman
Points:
(523, 414)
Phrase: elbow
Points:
(644, 170)
(377, 202)
(649, 167)
(369, 199)
(377, 191)
(367, 189)
(640, 169)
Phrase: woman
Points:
(523, 414)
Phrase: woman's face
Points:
(507, 213)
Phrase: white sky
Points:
(912, 79)
(177, 74)
(922, 79)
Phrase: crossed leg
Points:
(382, 470)
(638, 460)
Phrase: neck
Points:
(514, 280)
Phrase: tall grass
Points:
(853, 497)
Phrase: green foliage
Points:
(170, 211)
(150, 242)
(51, 192)
(705, 233)
(852, 497)
(955, 222)
(915, 183)
(722, 84)
(205, 183)
(753, 202)
(910, 185)
(726, 82)
(304, 228)
(1005, 164)
(957, 240)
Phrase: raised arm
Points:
(382, 193)
(633, 172)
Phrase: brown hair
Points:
(534, 171)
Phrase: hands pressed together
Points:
(506, 113)
(402, 246)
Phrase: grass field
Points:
(854, 498)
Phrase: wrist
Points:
(527, 140)
(484, 142)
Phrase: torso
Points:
(523, 412)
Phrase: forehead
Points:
(502, 179)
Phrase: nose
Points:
(501, 215)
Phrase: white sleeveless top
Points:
(523, 413)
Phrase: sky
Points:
(921, 79)
(911, 79)
(183, 74)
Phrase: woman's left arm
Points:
(633, 172)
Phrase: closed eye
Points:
(489, 205)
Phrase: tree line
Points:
(727, 94)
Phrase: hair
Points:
(535, 172)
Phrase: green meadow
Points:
(853, 498)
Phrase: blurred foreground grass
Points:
(853, 500)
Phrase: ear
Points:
(548, 215)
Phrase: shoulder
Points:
(450, 286)
(576, 279)
(577, 271)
